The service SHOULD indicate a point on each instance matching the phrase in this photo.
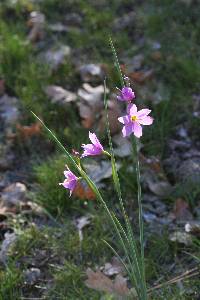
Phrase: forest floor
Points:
(54, 56)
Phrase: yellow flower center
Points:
(134, 118)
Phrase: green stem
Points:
(139, 198)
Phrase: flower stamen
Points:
(134, 118)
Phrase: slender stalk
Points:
(139, 198)
(116, 61)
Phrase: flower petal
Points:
(146, 120)
(132, 109)
(93, 138)
(125, 119)
(127, 130)
(137, 129)
(143, 112)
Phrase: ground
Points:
(47, 48)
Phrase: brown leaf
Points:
(98, 281)
(120, 286)
(181, 210)
(26, 132)
(90, 104)
(83, 192)
(141, 76)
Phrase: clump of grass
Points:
(14, 52)
(49, 194)
(10, 282)
(69, 284)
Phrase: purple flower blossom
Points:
(70, 181)
(133, 121)
(92, 149)
(127, 94)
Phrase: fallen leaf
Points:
(13, 194)
(160, 188)
(84, 192)
(90, 104)
(36, 22)
(124, 147)
(141, 76)
(91, 73)
(98, 281)
(113, 268)
(181, 210)
(100, 170)
(26, 132)
(59, 95)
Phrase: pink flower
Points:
(70, 181)
(92, 149)
(133, 121)
(127, 94)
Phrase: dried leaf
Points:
(113, 268)
(90, 104)
(98, 281)
(13, 194)
(91, 72)
(141, 76)
(181, 210)
(120, 286)
(27, 132)
(124, 147)
(59, 95)
(83, 192)
(99, 170)
(161, 188)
